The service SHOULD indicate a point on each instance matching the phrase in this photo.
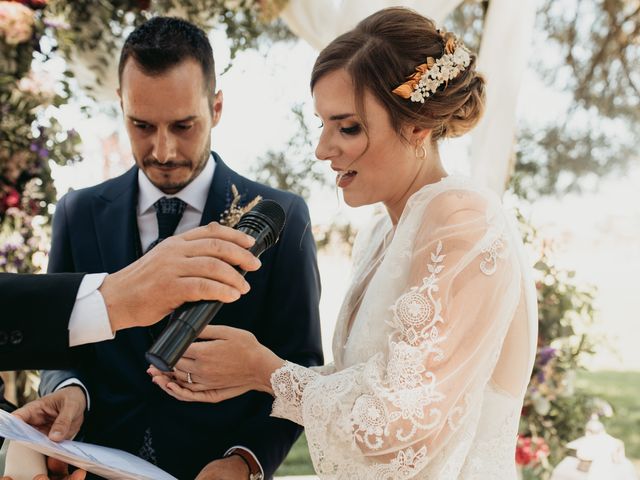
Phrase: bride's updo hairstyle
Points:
(383, 52)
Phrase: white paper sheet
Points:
(106, 462)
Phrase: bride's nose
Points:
(326, 149)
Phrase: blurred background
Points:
(560, 142)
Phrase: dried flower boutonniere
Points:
(232, 215)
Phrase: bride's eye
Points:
(354, 130)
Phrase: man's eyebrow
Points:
(186, 119)
(181, 120)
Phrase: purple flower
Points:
(545, 355)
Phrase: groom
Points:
(169, 102)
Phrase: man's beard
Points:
(174, 187)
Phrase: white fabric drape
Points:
(502, 59)
(319, 22)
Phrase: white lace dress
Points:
(433, 348)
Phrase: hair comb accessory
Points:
(429, 76)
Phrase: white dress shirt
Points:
(194, 195)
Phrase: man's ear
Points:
(216, 108)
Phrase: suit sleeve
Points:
(291, 328)
(34, 324)
(60, 260)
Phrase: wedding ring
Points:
(189, 379)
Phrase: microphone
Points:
(264, 222)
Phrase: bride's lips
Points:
(345, 178)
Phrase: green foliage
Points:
(294, 168)
(30, 138)
(588, 50)
(554, 411)
(101, 26)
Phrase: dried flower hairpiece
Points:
(431, 75)
(231, 216)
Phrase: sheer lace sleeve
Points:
(400, 410)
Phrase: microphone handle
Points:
(189, 322)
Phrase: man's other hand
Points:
(195, 265)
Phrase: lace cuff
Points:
(288, 383)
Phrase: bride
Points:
(436, 337)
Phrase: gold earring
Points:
(421, 151)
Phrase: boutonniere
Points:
(232, 215)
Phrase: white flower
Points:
(446, 68)
(39, 84)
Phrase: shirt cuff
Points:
(245, 449)
(89, 321)
(74, 381)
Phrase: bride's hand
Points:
(228, 363)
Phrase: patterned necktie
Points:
(168, 212)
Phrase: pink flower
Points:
(11, 199)
(16, 23)
(530, 450)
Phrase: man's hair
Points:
(162, 43)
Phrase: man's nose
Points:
(164, 148)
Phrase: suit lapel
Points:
(115, 222)
(116, 228)
(219, 198)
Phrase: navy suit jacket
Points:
(95, 230)
(34, 322)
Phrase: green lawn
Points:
(298, 461)
(620, 389)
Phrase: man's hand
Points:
(58, 415)
(196, 265)
(229, 468)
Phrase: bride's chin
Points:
(353, 201)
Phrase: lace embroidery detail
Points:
(416, 313)
(496, 249)
(406, 464)
(288, 383)
(409, 387)
(371, 421)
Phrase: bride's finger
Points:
(210, 396)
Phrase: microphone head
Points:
(266, 219)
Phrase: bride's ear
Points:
(417, 135)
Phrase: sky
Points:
(596, 234)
